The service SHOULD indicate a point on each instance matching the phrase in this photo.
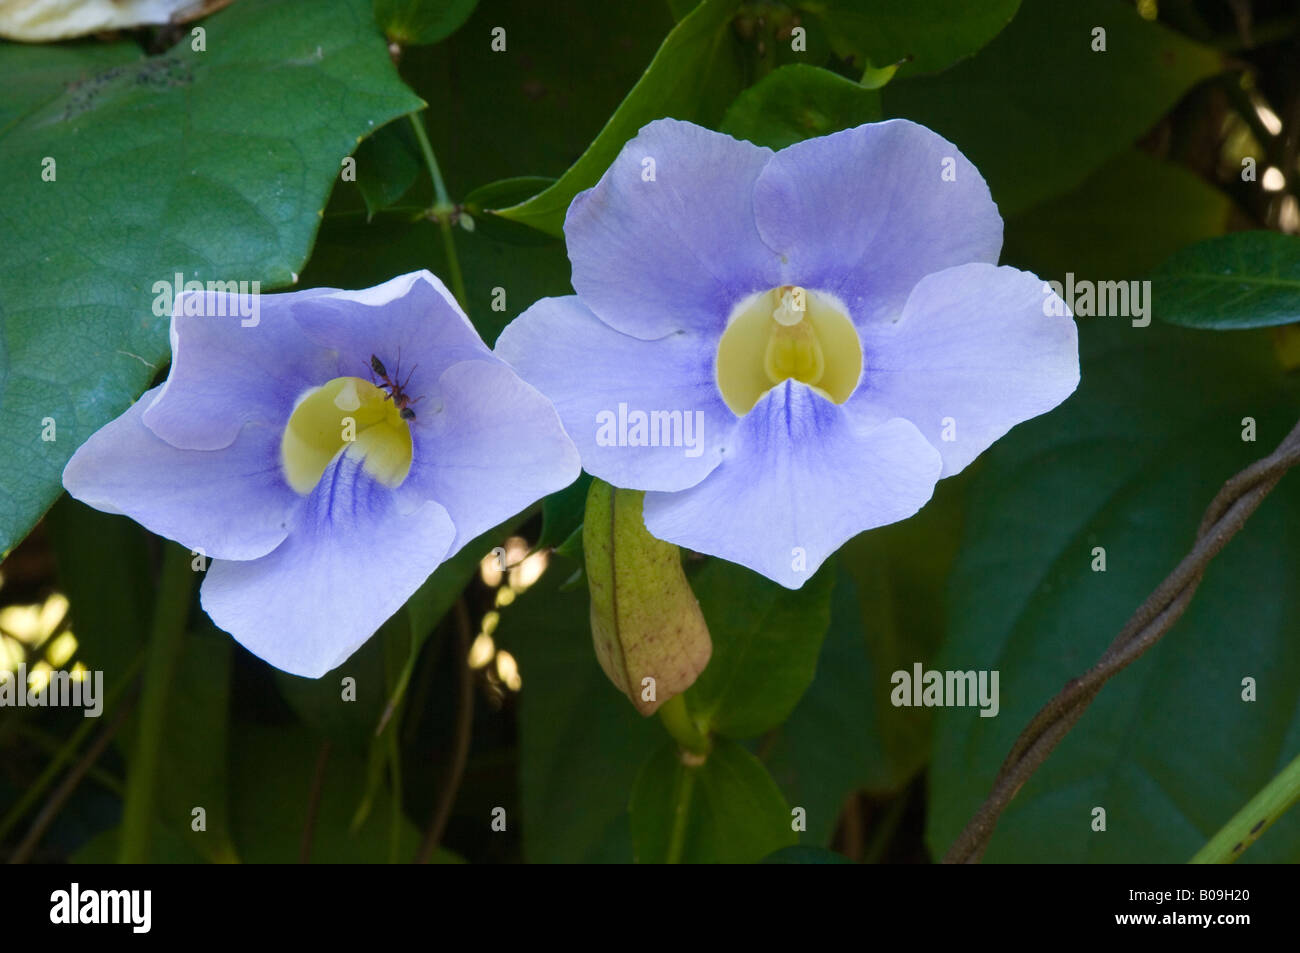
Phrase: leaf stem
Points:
(678, 723)
(1250, 823)
(443, 211)
(681, 814)
(171, 612)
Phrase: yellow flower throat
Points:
(787, 333)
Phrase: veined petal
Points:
(800, 478)
(978, 350)
(666, 240)
(598, 378)
(231, 503)
(490, 446)
(233, 365)
(867, 212)
(354, 558)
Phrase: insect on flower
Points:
(322, 505)
(396, 392)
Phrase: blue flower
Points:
(785, 349)
(327, 455)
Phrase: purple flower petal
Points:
(355, 557)
(411, 323)
(228, 369)
(866, 213)
(678, 251)
(589, 370)
(800, 478)
(231, 503)
(974, 354)
(489, 445)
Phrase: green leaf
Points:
(34, 74)
(581, 743)
(422, 21)
(192, 758)
(273, 770)
(1243, 280)
(483, 202)
(802, 854)
(1037, 109)
(1169, 748)
(696, 73)
(886, 615)
(680, 8)
(766, 639)
(1125, 218)
(319, 702)
(886, 31)
(212, 164)
(104, 570)
(798, 102)
(562, 512)
(167, 845)
(735, 813)
(388, 164)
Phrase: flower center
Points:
(345, 412)
(787, 333)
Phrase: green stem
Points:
(53, 746)
(166, 634)
(681, 814)
(695, 745)
(443, 210)
(1250, 823)
(678, 722)
(453, 263)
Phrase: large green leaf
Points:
(1037, 109)
(36, 73)
(581, 741)
(735, 813)
(798, 102)
(1169, 749)
(766, 639)
(1125, 218)
(886, 31)
(212, 164)
(695, 74)
(1244, 280)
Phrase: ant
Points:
(396, 392)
